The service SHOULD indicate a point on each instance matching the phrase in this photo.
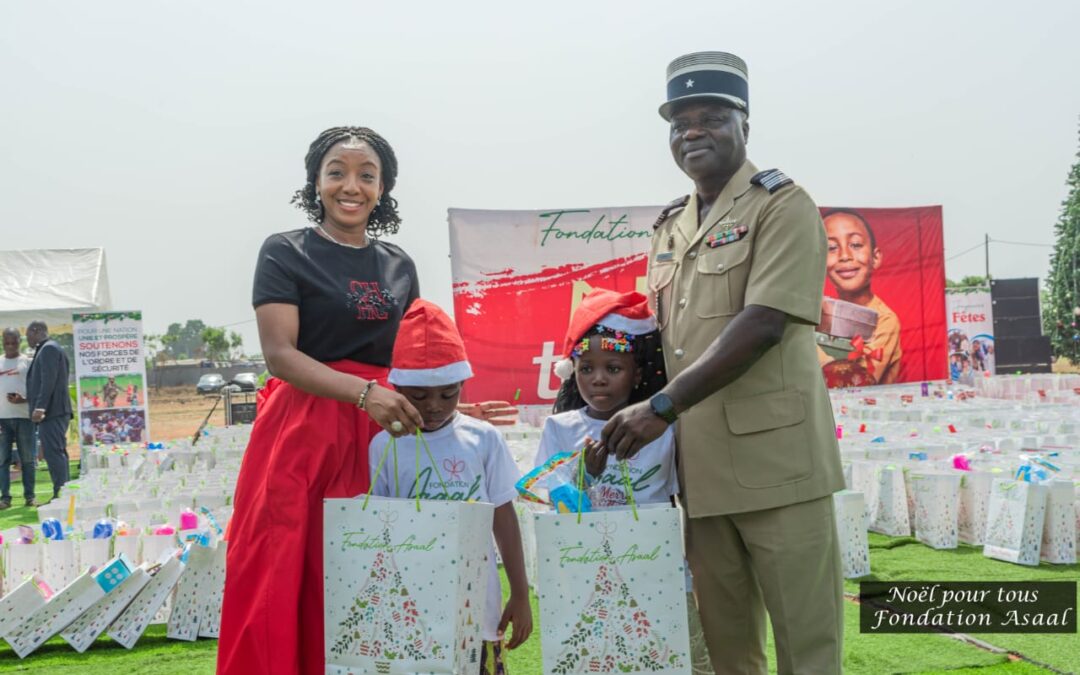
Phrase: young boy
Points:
(471, 457)
(852, 259)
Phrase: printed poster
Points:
(883, 314)
(971, 333)
(110, 373)
(518, 276)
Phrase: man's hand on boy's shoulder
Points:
(499, 413)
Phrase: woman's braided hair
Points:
(384, 218)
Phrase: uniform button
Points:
(679, 353)
(693, 254)
(682, 302)
(720, 267)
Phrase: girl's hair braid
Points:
(649, 357)
(384, 218)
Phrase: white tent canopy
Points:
(52, 284)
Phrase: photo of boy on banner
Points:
(885, 284)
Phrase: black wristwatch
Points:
(663, 407)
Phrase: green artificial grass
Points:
(1010, 668)
(891, 559)
(153, 655)
(904, 559)
(24, 515)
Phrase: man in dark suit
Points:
(50, 403)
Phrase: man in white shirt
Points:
(15, 426)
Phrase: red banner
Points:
(884, 315)
(518, 275)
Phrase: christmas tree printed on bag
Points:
(383, 622)
(1003, 528)
(468, 621)
(613, 633)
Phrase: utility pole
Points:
(987, 249)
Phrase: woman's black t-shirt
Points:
(350, 300)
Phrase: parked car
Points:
(211, 383)
(246, 381)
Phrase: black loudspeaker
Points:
(1019, 345)
(1016, 327)
(1015, 307)
(1014, 288)
(1026, 355)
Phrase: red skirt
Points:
(303, 448)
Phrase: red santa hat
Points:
(428, 351)
(621, 312)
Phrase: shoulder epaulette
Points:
(671, 209)
(771, 179)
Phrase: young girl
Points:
(614, 358)
(472, 462)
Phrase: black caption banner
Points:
(967, 607)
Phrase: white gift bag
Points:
(1059, 530)
(93, 552)
(155, 546)
(526, 524)
(1076, 508)
(613, 592)
(974, 506)
(127, 544)
(93, 622)
(210, 622)
(191, 591)
(937, 500)
(132, 622)
(55, 615)
(21, 561)
(404, 589)
(1014, 524)
(909, 493)
(211, 499)
(863, 479)
(887, 500)
(22, 601)
(60, 562)
(851, 530)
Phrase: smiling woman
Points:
(328, 300)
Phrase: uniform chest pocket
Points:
(720, 282)
(660, 284)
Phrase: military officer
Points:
(736, 274)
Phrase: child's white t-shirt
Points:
(475, 464)
(652, 471)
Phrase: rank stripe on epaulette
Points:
(674, 205)
(772, 180)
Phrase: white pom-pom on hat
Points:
(564, 369)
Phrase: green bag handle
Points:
(391, 448)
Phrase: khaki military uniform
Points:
(758, 459)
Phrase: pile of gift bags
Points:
(121, 598)
(951, 467)
(138, 539)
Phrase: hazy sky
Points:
(173, 134)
